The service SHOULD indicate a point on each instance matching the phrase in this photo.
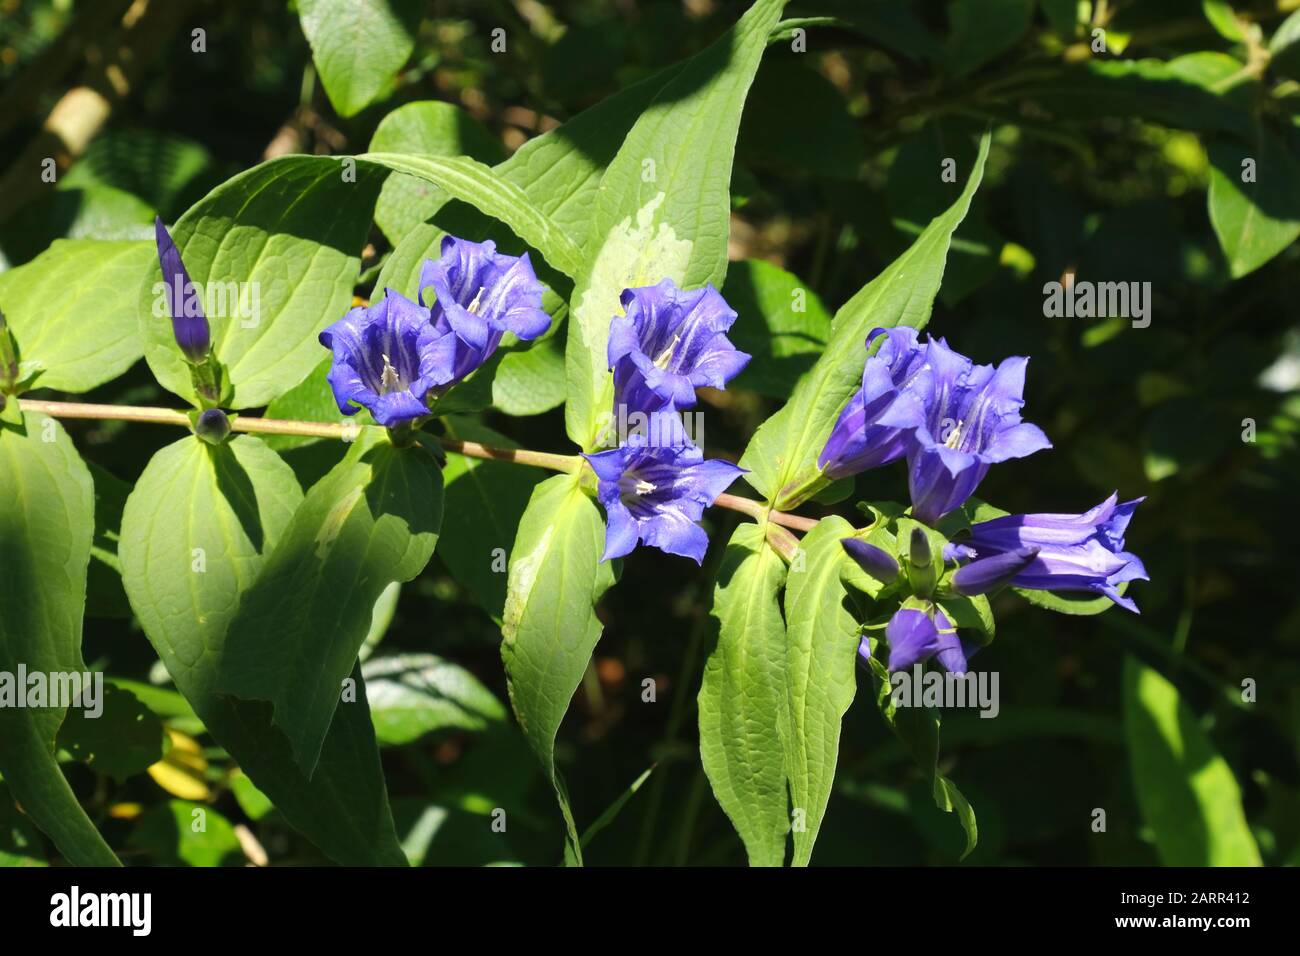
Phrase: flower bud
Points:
(991, 573)
(213, 426)
(921, 570)
(878, 563)
(189, 324)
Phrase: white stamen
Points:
(478, 298)
(631, 485)
(666, 354)
(389, 380)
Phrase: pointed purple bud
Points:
(877, 562)
(188, 321)
(989, 574)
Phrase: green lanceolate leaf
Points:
(663, 208)
(744, 713)
(782, 324)
(358, 46)
(1187, 792)
(820, 674)
(412, 695)
(494, 196)
(371, 521)
(532, 381)
(47, 516)
(195, 533)
(123, 738)
(918, 728)
(782, 455)
(275, 251)
(549, 627)
(73, 310)
(1079, 604)
(485, 501)
(429, 128)
(612, 811)
(1254, 205)
(559, 170)
(983, 29)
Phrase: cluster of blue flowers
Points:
(395, 356)
(655, 485)
(950, 420)
(924, 403)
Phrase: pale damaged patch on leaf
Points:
(631, 256)
(523, 576)
(332, 526)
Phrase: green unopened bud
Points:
(8, 356)
(213, 426)
(207, 377)
(922, 572)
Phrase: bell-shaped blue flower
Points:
(189, 324)
(1076, 552)
(915, 636)
(387, 357)
(972, 422)
(475, 296)
(655, 495)
(667, 343)
(872, 429)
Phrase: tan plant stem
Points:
(347, 431)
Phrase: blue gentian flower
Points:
(1083, 552)
(972, 421)
(872, 429)
(655, 495)
(667, 343)
(387, 357)
(189, 324)
(475, 296)
(877, 562)
(915, 636)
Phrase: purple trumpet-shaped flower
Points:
(655, 495)
(872, 429)
(877, 562)
(667, 343)
(914, 636)
(386, 358)
(1083, 552)
(477, 296)
(989, 574)
(189, 324)
(972, 421)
